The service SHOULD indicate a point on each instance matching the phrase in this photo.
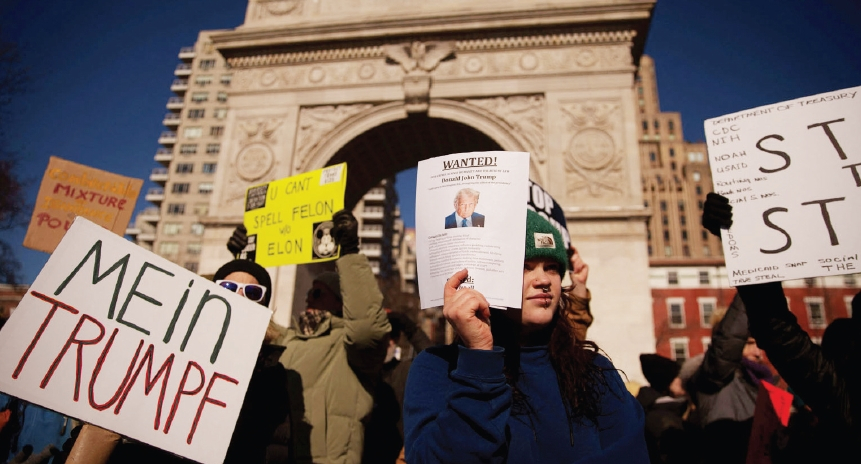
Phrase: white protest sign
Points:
(792, 172)
(119, 337)
(484, 235)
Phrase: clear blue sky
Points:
(102, 70)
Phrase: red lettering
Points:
(112, 201)
(54, 305)
(102, 406)
(150, 382)
(206, 399)
(181, 391)
(80, 358)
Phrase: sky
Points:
(101, 73)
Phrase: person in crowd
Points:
(524, 388)
(830, 386)
(579, 312)
(31, 431)
(384, 434)
(464, 214)
(668, 436)
(725, 387)
(333, 355)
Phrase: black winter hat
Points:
(659, 371)
(250, 267)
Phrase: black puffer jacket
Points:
(829, 386)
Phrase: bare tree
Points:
(14, 79)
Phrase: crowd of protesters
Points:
(516, 386)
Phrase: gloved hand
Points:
(238, 241)
(717, 213)
(346, 232)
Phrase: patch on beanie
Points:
(544, 240)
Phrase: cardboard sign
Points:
(792, 172)
(290, 219)
(119, 337)
(69, 190)
(773, 406)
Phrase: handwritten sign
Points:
(69, 190)
(290, 219)
(121, 338)
(792, 172)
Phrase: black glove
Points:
(238, 241)
(346, 232)
(717, 213)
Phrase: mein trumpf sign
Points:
(290, 220)
(119, 337)
(792, 172)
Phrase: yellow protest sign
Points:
(290, 219)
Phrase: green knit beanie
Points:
(544, 241)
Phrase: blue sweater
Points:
(458, 409)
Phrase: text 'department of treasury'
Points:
(792, 172)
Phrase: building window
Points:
(668, 250)
(700, 205)
(683, 220)
(196, 113)
(672, 151)
(707, 342)
(181, 187)
(194, 248)
(672, 277)
(209, 168)
(226, 78)
(191, 267)
(645, 125)
(201, 209)
(171, 228)
(707, 310)
(199, 97)
(197, 229)
(681, 206)
(206, 64)
(220, 113)
(665, 220)
(679, 348)
(670, 126)
(168, 248)
(666, 235)
(185, 168)
(205, 187)
(699, 190)
(663, 205)
(815, 312)
(188, 149)
(849, 280)
(203, 79)
(653, 157)
(705, 278)
(707, 251)
(176, 208)
(696, 176)
(650, 250)
(686, 250)
(657, 124)
(216, 131)
(222, 97)
(684, 236)
(192, 132)
(213, 148)
(673, 165)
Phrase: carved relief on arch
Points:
(275, 8)
(316, 124)
(255, 161)
(594, 159)
(523, 114)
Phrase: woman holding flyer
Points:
(523, 389)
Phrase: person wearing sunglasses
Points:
(334, 353)
(246, 278)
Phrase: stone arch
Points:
(458, 127)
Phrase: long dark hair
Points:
(581, 381)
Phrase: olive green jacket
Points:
(331, 373)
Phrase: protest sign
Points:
(792, 172)
(68, 190)
(482, 232)
(116, 336)
(290, 219)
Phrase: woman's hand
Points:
(468, 312)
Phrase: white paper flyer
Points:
(471, 213)
(792, 172)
